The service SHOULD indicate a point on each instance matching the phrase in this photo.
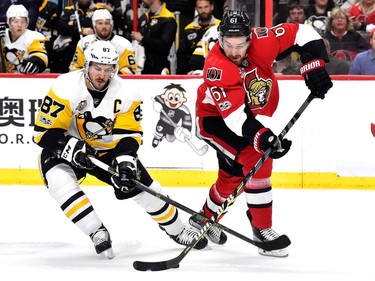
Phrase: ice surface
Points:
(332, 234)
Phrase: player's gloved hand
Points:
(28, 67)
(181, 133)
(126, 166)
(157, 106)
(265, 139)
(316, 76)
(76, 152)
(3, 27)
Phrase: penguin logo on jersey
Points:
(258, 90)
(14, 58)
(93, 128)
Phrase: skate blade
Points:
(109, 253)
(282, 253)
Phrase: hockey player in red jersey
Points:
(239, 84)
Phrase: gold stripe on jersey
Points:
(130, 124)
(127, 63)
(37, 49)
(54, 112)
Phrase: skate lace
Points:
(269, 234)
(215, 233)
(100, 237)
(186, 236)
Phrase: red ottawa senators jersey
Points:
(227, 89)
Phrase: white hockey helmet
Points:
(17, 11)
(102, 52)
(101, 14)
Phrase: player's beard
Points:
(204, 17)
(104, 34)
(237, 59)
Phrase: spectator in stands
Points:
(117, 12)
(344, 40)
(363, 15)
(31, 6)
(289, 65)
(364, 63)
(297, 14)
(186, 8)
(23, 50)
(335, 66)
(102, 22)
(193, 33)
(46, 24)
(319, 11)
(157, 32)
(71, 28)
(204, 46)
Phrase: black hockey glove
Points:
(265, 139)
(75, 151)
(27, 67)
(126, 166)
(316, 76)
(3, 27)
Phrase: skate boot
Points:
(102, 242)
(215, 234)
(186, 236)
(267, 235)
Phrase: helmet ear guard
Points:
(235, 23)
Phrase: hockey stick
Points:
(200, 151)
(174, 262)
(78, 20)
(139, 185)
(3, 67)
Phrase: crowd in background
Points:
(175, 36)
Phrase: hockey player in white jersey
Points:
(102, 23)
(23, 49)
(92, 112)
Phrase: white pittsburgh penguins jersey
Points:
(125, 50)
(69, 106)
(29, 44)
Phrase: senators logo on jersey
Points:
(258, 90)
(214, 73)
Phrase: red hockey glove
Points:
(265, 139)
(316, 76)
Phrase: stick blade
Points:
(154, 266)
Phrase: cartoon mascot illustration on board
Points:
(175, 121)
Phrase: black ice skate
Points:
(102, 242)
(186, 236)
(267, 235)
(215, 234)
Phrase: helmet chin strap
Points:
(87, 76)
